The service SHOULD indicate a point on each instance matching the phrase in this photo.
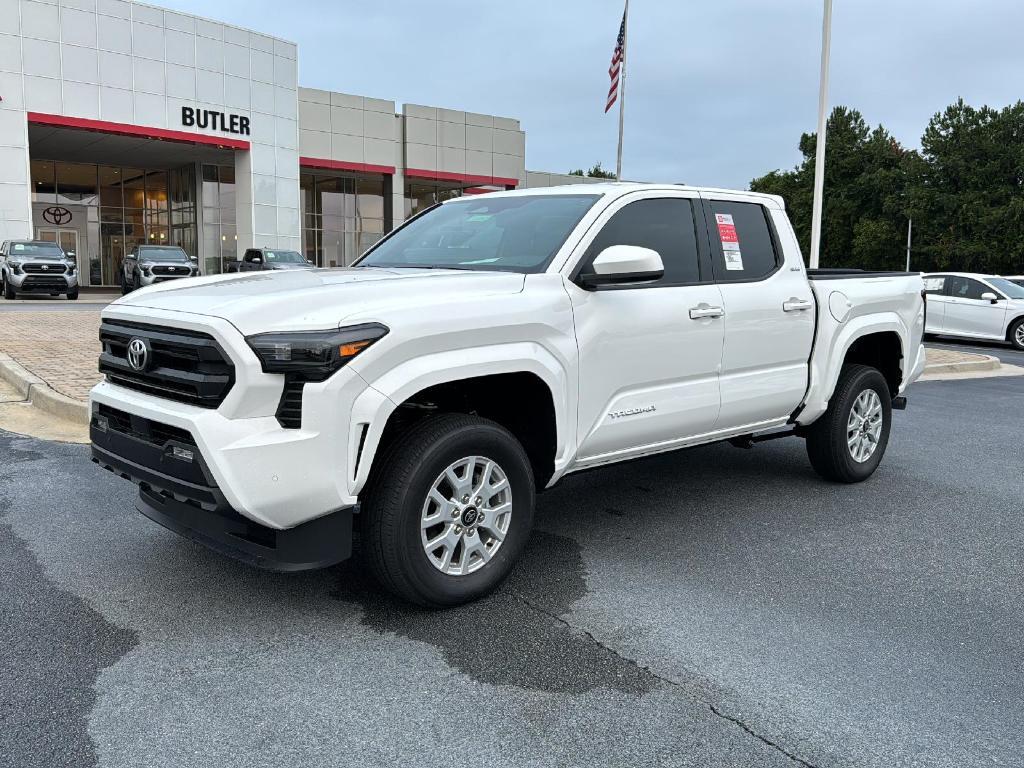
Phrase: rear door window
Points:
(935, 285)
(664, 225)
(742, 243)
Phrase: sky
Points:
(718, 91)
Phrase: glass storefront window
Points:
(44, 185)
(220, 237)
(116, 208)
(76, 184)
(341, 215)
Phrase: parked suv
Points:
(975, 307)
(151, 264)
(258, 259)
(37, 266)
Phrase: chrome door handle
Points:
(705, 310)
(796, 305)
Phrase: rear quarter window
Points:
(742, 243)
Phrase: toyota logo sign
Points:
(57, 214)
(138, 354)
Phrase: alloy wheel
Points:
(466, 515)
(864, 427)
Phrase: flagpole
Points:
(622, 89)
(819, 154)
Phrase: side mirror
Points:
(622, 265)
(309, 262)
(989, 296)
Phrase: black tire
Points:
(73, 294)
(400, 481)
(827, 445)
(1016, 339)
(124, 285)
(9, 292)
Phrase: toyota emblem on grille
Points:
(138, 354)
(45, 267)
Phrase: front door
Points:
(968, 314)
(649, 353)
(769, 312)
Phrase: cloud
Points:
(717, 93)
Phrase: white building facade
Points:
(123, 123)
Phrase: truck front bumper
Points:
(177, 490)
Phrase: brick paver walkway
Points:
(59, 347)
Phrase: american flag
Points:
(613, 70)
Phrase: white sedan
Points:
(975, 307)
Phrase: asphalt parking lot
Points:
(715, 607)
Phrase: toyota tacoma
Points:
(484, 350)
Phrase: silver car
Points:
(37, 266)
(151, 264)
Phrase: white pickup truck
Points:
(480, 352)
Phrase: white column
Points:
(15, 179)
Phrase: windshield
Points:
(162, 254)
(1008, 287)
(513, 234)
(284, 257)
(36, 251)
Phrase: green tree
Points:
(968, 196)
(596, 172)
(865, 200)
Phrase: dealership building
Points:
(123, 123)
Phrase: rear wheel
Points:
(1016, 334)
(448, 510)
(847, 442)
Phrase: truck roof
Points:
(618, 188)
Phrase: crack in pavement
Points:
(685, 690)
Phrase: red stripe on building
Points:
(138, 131)
(461, 178)
(342, 165)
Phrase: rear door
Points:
(769, 311)
(967, 314)
(648, 353)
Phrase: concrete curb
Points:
(983, 363)
(40, 394)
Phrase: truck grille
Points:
(186, 366)
(171, 270)
(44, 283)
(44, 269)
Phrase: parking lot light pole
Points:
(819, 155)
(910, 228)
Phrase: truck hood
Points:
(308, 299)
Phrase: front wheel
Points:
(448, 510)
(73, 294)
(847, 442)
(9, 292)
(1016, 334)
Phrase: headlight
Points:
(15, 266)
(72, 267)
(145, 270)
(313, 355)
